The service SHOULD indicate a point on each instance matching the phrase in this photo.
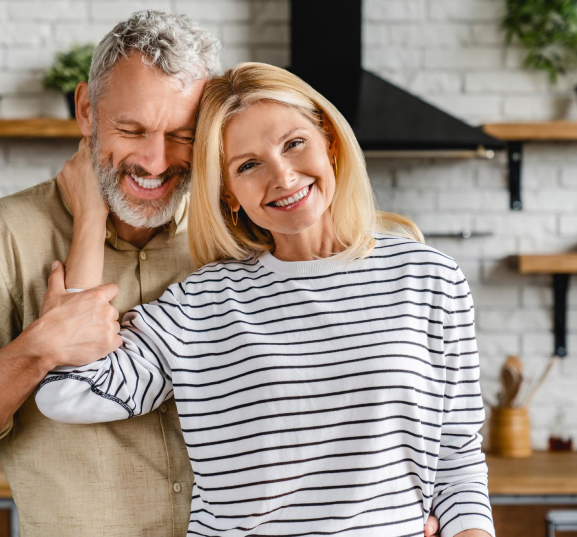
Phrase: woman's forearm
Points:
(85, 260)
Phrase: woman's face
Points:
(278, 168)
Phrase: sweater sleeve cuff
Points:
(464, 522)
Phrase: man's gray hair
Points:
(173, 43)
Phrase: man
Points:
(118, 479)
(129, 478)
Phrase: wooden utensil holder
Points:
(510, 432)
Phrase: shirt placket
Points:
(147, 290)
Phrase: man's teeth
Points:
(148, 183)
(293, 199)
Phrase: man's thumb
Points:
(56, 279)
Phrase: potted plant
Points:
(548, 29)
(68, 70)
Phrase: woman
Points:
(323, 361)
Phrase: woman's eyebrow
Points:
(238, 157)
(287, 134)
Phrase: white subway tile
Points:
(278, 56)
(21, 83)
(463, 58)
(394, 10)
(116, 11)
(503, 82)
(428, 34)
(272, 10)
(429, 83)
(30, 59)
(216, 10)
(56, 10)
(513, 321)
(393, 58)
(467, 10)
(252, 34)
(24, 33)
(496, 345)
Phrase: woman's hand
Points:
(75, 328)
(432, 526)
(79, 186)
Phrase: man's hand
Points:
(79, 186)
(76, 328)
(432, 526)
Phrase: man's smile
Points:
(149, 188)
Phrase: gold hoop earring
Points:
(234, 216)
(335, 166)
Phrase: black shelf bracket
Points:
(560, 288)
(515, 160)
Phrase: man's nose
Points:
(154, 154)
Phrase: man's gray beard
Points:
(134, 212)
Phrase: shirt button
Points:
(108, 234)
(163, 408)
(143, 255)
(177, 487)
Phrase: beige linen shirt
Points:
(127, 478)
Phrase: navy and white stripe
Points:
(316, 398)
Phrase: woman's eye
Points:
(246, 166)
(294, 143)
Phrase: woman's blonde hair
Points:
(212, 234)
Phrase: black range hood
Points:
(326, 37)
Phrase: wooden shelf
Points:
(552, 131)
(548, 264)
(543, 473)
(39, 128)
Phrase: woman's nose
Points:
(283, 175)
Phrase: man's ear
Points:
(84, 116)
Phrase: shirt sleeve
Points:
(133, 380)
(461, 497)
(10, 328)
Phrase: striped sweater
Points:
(316, 398)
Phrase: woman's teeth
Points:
(293, 199)
(148, 183)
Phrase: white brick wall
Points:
(449, 52)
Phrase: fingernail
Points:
(55, 265)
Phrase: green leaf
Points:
(69, 68)
(547, 29)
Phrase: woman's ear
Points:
(84, 116)
(333, 145)
(230, 199)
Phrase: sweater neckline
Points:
(325, 265)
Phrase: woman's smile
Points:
(293, 201)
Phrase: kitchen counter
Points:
(523, 491)
(543, 473)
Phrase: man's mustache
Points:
(139, 171)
